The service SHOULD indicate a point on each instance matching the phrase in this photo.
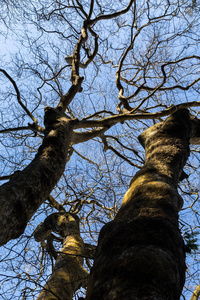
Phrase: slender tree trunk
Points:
(68, 274)
(140, 254)
(28, 189)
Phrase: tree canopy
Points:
(111, 69)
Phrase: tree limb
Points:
(18, 96)
(112, 120)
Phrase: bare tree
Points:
(103, 72)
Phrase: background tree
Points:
(118, 67)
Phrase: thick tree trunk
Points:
(140, 254)
(28, 189)
(68, 274)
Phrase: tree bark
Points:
(68, 274)
(141, 253)
(196, 293)
(28, 189)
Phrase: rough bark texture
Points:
(28, 189)
(140, 254)
(196, 293)
(68, 274)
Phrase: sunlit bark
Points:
(196, 293)
(68, 274)
(141, 255)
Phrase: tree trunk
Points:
(28, 189)
(140, 254)
(68, 274)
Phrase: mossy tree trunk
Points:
(29, 188)
(68, 274)
(140, 254)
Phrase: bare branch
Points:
(75, 62)
(113, 15)
(84, 65)
(81, 137)
(55, 204)
(124, 100)
(66, 99)
(108, 147)
(18, 96)
(91, 9)
(110, 121)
